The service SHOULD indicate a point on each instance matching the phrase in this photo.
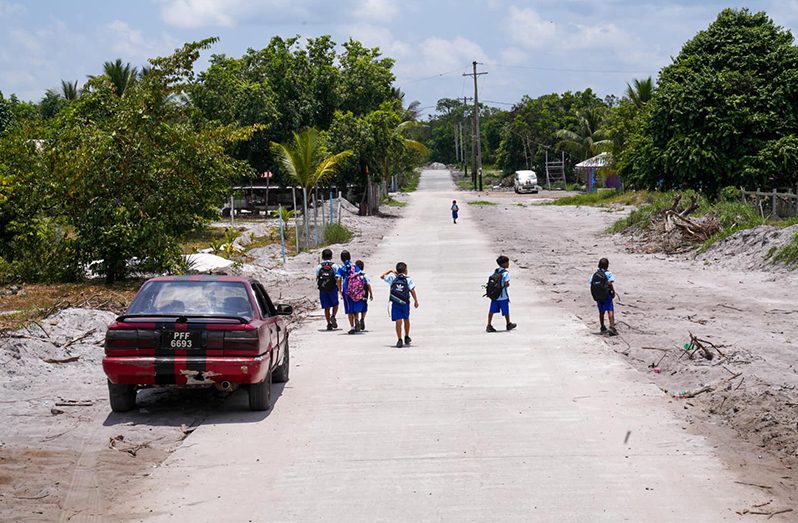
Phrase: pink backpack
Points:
(355, 286)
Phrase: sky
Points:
(526, 47)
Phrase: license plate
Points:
(181, 339)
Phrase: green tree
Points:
(640, 92)
(135, 172)
(725, 112)
(121, 75)
(589, 139)
(6, 114)
(70, 90)
(306, 160)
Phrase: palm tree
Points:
(70, 90)
(402, 144)
(121, 75)
(589, 139)
(641, 92)
(308, 163)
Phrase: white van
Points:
(526, 181)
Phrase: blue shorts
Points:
(454, 214)
(328, 299)
(400, 312)
(606, 305)
(349, 305)
(502, 306)
(360, 306)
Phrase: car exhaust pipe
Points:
(227, 386)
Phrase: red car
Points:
(203, 331)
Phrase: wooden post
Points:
(296, 219)
(773, 203)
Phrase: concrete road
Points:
(528, 425)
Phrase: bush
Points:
(410, 181)
(730, 193)
(788, 255)
(337, 233)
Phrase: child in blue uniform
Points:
(362, 307)
(402, 288)
(327, 283)
(455, 210)
(502, 303)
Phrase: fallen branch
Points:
(115, 442)
(59, 361)
(74, 403)
(79, 338)
(766, 487)
(706, 388)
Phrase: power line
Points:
(500, 103)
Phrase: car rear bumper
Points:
(152, 370)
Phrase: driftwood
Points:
(706, 388)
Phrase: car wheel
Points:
(281, 372)
(122, 397)
(260, 394)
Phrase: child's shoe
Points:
(511, 326)
(490, 329)
(352, 331)
(362, 325)
(603, 329)
(407, 340)
(329, 327)
(612, 331)
(334, 323)
(399, 343)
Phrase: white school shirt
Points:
(389, 278)
(334, 268)
(610, 277)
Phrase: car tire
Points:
(122, 397)
(260, 394)
(281, 373)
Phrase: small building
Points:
(597, 173)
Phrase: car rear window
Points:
(193, 297)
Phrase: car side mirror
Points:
(284, 310)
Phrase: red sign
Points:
(266, 174)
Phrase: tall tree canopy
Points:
(725, 112)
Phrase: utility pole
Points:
(476, 142)
(464, 147)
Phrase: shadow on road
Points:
(173, 407)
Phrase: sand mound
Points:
(751, 249)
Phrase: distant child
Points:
(327, 283)
(603, 291)
(455, 210)
(402, 288)
(362, 306)
(352, 289)
(497, 286)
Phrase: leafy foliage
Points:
(725, 112)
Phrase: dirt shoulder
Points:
(63, 453)
(745, 399)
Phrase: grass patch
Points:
(603, 198)
(390, 201)
(482, 203)
(22, 309)
(410, 181)
(337, 233)
(788, 255)
(465, 183)
(652, 203)
(204, 238)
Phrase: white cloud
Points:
(133, 45)
(438, 55)
(529, 29)
(377, 10)
(200, 13)
(10, 9)
(382, 37)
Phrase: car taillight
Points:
(124, 339)
(241, 340)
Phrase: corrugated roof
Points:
(600, 160)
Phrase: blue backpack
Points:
(400, 290)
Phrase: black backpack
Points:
(326, 281)
(600, 285)
(495, 285)
(400, 290)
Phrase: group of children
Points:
(350, 281)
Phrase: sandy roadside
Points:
(63, 454)
(750, 315)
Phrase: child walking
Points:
(603, 291)
(351, 288)
(327, 283)
(455, 210)
(498, 283)
(402, 288)
(362, 306)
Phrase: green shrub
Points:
(788, 255)
(410, 181)
(730, 193)
(586, 199)
(481, 203)
(337, 233)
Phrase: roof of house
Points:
(600, 160)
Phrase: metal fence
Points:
(772, 204)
